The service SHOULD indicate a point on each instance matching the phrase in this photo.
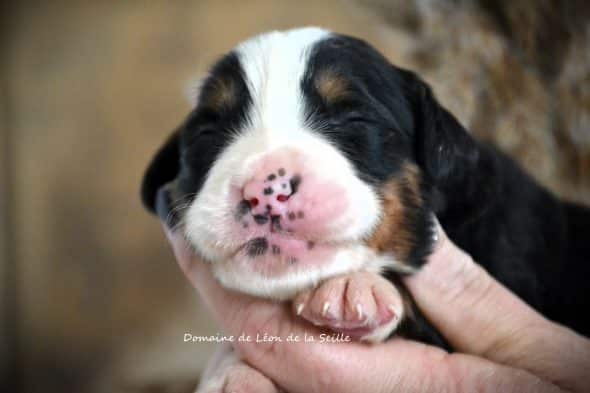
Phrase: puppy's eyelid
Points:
(339, 123)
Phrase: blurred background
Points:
(91, 299)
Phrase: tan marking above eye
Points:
(331, 87)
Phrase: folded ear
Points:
(163, 170)
(454, 163)
(444, 148)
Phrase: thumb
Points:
(396, 366)
(479, 316)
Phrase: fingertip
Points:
(444, 255)
(439, 237)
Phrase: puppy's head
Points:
(304, 144)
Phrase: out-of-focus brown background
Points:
(91, 298)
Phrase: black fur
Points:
(535, 244)
(189, 153)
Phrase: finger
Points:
(395, 366)
(193, 267)
(478, 315)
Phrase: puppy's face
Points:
(299, 162)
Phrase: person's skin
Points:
(502, 344)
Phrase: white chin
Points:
(233, 273)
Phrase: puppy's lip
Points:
(283, 246)
(281, 238)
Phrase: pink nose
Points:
(269, 194)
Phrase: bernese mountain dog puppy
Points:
(309, 157)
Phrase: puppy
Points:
(310, 161)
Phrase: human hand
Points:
(502, 344)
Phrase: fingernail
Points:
(359, 311)
(300, 308)
(435, 235)
(325, 309)
(435, 229)
(391, 308)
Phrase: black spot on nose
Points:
(257, 247)
(281, 172)
(310, 245)
(268, 191)
(295, 182)
(291, 216)
(271, 177)
(260, 219)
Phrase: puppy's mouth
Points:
(283, 239)
(278, 245)
(278, 253)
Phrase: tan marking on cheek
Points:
(399, 196)
(331, 86)
(411, 177)
(392, 235)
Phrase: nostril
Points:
(282, 197)
(254, 202)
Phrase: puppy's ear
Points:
(160, 174)
(451, 160)
(444, 149)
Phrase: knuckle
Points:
(467, 282)
(514, 345)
